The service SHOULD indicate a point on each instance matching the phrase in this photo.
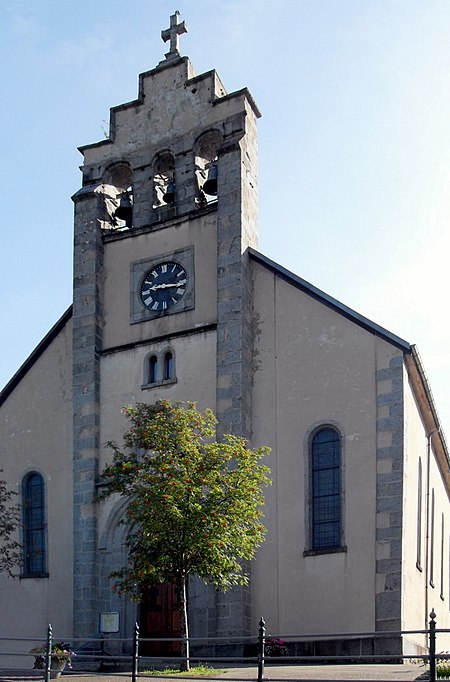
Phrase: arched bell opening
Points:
(118, 181)
(206, 167)
(164, 188)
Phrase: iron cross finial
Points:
(173, 34)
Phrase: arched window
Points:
(34, 531)
(326, 489)
(153, 369)
(168, 366)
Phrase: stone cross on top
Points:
(173, 34)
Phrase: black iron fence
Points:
(258, 651)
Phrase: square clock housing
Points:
(162, 285)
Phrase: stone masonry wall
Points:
(237, 229)
(87, 343)
(390, 408)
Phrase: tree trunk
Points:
(184, 626)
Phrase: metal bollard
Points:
(261, 647)
(48, 655)
(432, 646)
(135, 673)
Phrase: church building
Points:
(173, 300)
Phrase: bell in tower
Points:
(124, 211)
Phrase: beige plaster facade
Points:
(305, 351)
(275, 358)
(37, 437)
(425, 571)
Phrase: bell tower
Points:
(166, 211)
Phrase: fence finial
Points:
(48, 657)
(135, 671)
(261, 646)
(432, 646)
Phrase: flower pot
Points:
(61, 655)
(57, 668)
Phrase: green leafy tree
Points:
(194, 502)
(9, 522)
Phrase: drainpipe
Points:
(427, 524)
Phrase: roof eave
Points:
(35, 355)
(330, 302)
(422, 393)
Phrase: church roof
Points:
(35, 355)
(329, 301)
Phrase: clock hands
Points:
(166, 286)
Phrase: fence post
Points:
(261, 645)
(48, 655)
(135, 672)
(432, 646)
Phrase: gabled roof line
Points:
(35, 355)
(437, 426)
(329, 301)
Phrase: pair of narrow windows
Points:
(156, 373)
(34, 530)
(326, 492)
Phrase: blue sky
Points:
(354, 146)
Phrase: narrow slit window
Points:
(448, 565)
(432, 541)
(419, 518)
(442, 557)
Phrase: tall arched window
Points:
(33, 514)
(326, 489)
(168, 366)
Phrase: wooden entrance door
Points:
(160, 617)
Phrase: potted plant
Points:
(61, 656)
(276, 647)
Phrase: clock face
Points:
(163, 286)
